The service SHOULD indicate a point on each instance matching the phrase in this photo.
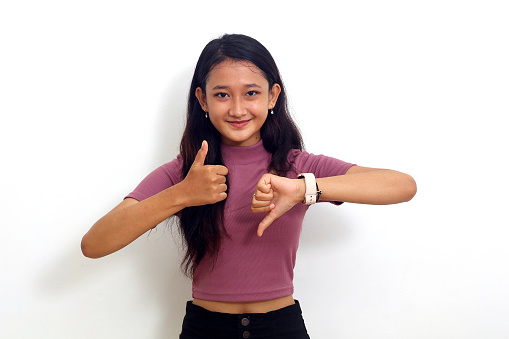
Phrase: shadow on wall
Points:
(171, 124)
(326, 227)
(143, 277)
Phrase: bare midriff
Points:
(263, 306)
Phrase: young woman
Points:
(239, 189)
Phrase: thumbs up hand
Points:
(276, 195)
(205, 184)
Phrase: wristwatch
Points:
(312, 192)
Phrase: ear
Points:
(273, 95)
(200, 95)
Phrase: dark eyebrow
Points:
(253, 85)
(220, 87)
(247, 86)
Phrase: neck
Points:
(244, 154)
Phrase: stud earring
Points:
(271, 111)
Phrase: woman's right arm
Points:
(204, 184)
(129, 220)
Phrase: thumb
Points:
(269, 219)
(202, 154)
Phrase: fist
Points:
(276, 195)
(205, 184)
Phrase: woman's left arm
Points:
(364, 185)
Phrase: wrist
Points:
(300, 196)
(178, 196)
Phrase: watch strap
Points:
(312, 192)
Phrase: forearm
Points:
(376, 187)
(129, 220)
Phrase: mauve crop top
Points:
(248, 267)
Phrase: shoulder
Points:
(173, 167)
(159, 179)
(321, 165)
(170, 171)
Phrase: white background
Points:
(92, 99)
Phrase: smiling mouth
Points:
(239, 124)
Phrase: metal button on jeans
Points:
(246, 334)
(244, 321)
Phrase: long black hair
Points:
(202, 226)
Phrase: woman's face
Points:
(237, 98)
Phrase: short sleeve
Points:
(320, 165)
(158, 180)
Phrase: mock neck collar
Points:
(240, 155)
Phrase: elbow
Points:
(410, 188)
(88, 249)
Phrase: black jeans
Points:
(286, 323)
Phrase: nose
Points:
(237, 108)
